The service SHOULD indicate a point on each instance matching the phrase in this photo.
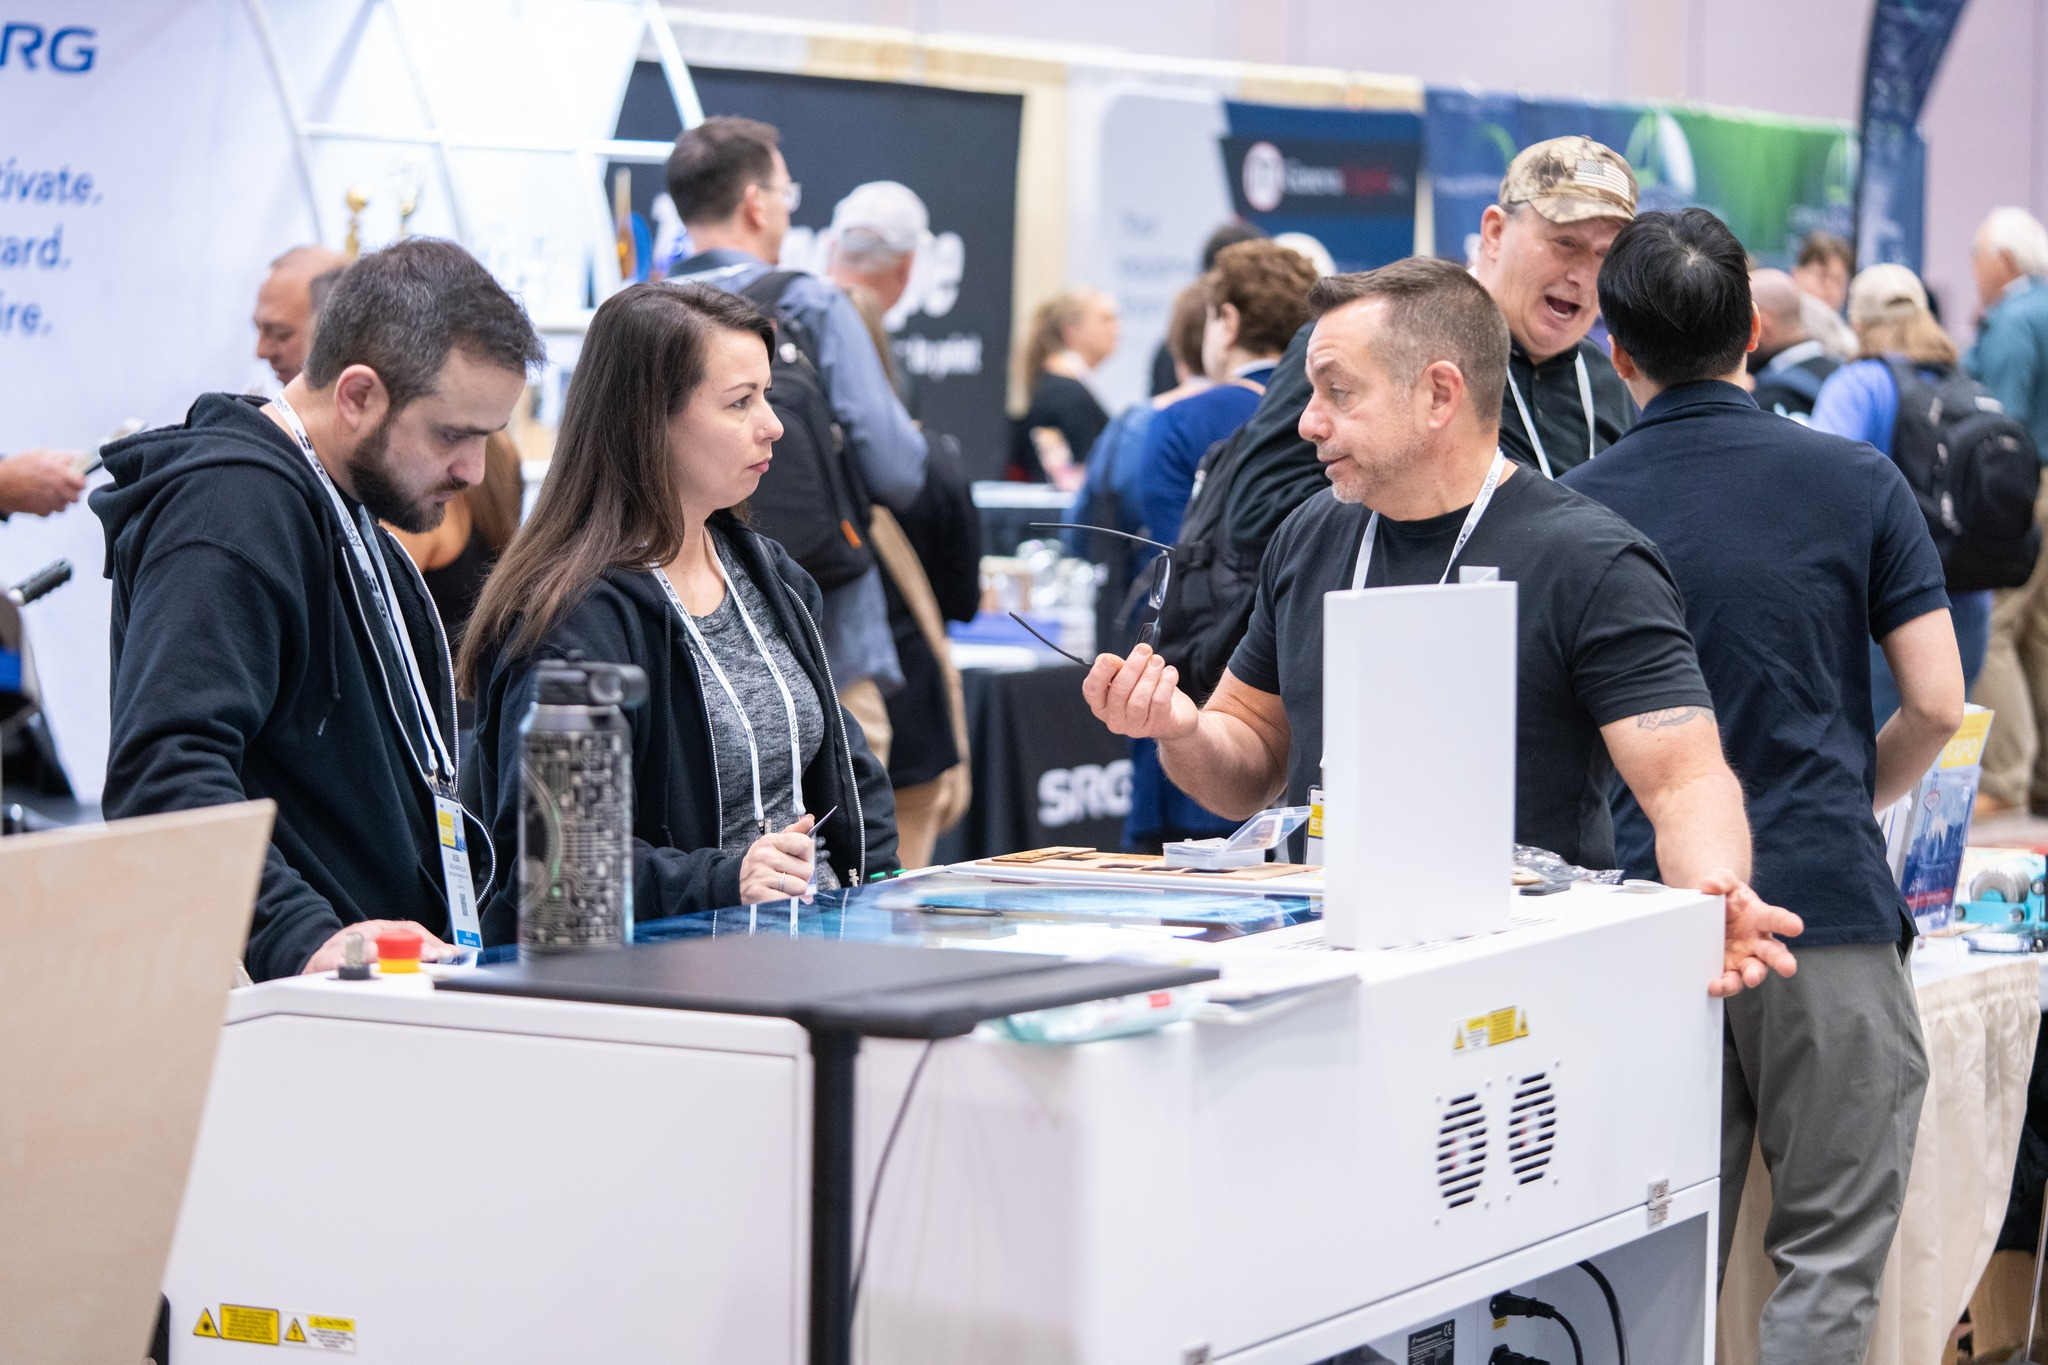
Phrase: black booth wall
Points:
(956, 148)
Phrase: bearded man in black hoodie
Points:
(272, 640)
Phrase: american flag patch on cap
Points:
(1600, 175)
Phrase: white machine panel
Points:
(508, 1180)
(1220, 1185)
(461, 1193)
(1418, 762)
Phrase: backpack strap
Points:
(766, 292)
(1916, 396)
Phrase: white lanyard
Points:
(1585, 398)
(796, 765)
(1372, 525)
(439, 766)
(450, 819)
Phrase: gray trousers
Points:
(1824, 1071)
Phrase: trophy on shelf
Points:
(358, 200)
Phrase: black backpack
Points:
(1244, 488)
(1974, 471)
(813, 500)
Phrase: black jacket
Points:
(677, 863)
(243, 667)
(1558, 408)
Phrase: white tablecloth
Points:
(1980, 1015)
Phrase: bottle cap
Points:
(575, 683)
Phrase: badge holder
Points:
(1248, 847)
(464, 925)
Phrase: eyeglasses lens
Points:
(1162, 574)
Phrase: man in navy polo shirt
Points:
(1792, 548)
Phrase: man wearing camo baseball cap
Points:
(1540, 249)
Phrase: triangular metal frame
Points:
(590, 153)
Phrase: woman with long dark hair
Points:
(635, 554)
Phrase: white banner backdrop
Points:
(156, 158)
(1145, 191)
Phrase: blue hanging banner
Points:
(1346, 177)
(1907, 41)
(1771, 179)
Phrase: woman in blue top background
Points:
(1888, 308)
(1255, 300)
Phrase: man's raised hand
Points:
(1140, 696)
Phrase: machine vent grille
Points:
(1461, 1150)
(1532, 1128)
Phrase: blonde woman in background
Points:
(1071, 334)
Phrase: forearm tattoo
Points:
(1670, 716)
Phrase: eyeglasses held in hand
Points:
(1156, 576)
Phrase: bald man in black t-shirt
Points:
(1407, 364)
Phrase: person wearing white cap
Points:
(1888, 309)
(876, 233)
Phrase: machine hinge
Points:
(1660, 1202)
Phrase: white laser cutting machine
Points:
(422, 1175)
(439, 1176)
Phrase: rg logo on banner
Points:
(69, 50)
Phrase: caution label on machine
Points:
(318, 1332)
(1499, 1026)
(269, 1327)
(239, 1322)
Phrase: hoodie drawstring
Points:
(334, 611)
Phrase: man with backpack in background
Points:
(1561, 203)
(847, 440)
(1972, 468)
(2010, 358)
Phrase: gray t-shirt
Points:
(725, 634)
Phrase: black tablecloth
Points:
(1045, 770)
